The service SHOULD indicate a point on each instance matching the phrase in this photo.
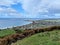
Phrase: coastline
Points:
(22, 24)
(38, 23)
(29, 29)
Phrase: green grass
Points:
(6, 32)
(45, 38)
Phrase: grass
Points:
(6, 32)
(46, 38)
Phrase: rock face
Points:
(28, 32)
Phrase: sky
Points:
(29, 8)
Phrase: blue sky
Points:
(29, 8)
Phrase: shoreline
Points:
(36, 23)
(31, 22)
(30, 29)
(17, 26)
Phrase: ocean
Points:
(13, 22)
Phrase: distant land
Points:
(14, 22)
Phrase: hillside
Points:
(11, 35)
(45, 38)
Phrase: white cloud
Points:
(9, 12)
(8, 2)
(34, 8)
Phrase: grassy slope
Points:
(46, 38)
(6, 32)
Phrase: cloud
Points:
(8, 2)
(6, 11)
(9, 13)
(41, 7)
(32, 8)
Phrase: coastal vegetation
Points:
(27, 33)
(9, 31)
(45, 38)
(6, 32)
(43, 27)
